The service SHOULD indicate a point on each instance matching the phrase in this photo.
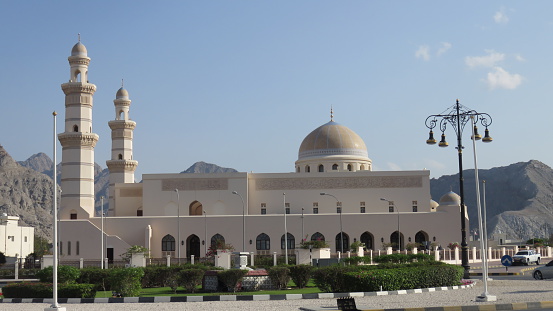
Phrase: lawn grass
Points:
(166, 291)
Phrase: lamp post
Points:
(55, 305)
(102, 235)
(302, 233)
(398, 232)
(341, 231)
(178, 224)
(458, 116)
(285, 231)
(243, 221)
(205, 233)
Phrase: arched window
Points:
(362, 167)
(195, 209)
(317, 236)
(397, 240)
(421, 237)
(77, 248)
(345, 242)
(217, 241)
(321, 168)
(334, 167)
(263, 242)
(69, 248)
(307, 169)
(120, 157)
(291, 241)
(349, 167)
(367, 239)
(168, 243)
(75, 128)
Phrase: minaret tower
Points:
(78, 141)
(121, 166)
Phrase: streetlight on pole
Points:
(285, 231)
(205, 233)
(178, 224)
(243, 221)
(341, 231)
(398, 232)
(102, 236)
(302, 224)
(458, 116)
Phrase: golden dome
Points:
(332, 139)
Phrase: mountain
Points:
(519, 198)
(202, 167)
(26, 193)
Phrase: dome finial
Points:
(79, 35)
(122, 83)
(331, 114)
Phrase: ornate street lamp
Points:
(341, 231)
(458, 116)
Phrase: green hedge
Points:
(403, 278)
(97, 276)
(126, 281)
(66, 274)
(280, 276)
(45, 290)
(301, 274)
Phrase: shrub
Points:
(402, 258)
(98, 277)
(231, 278)
(301, 274)
(44, 290)
(66, 274)
(331, 279)
(190, 279)
(126, 281)
(280, 276)
(406, 277)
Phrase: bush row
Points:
(389, 276)
(44, 290)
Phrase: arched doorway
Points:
(396, 242)
(195, 209)
(193, 246)
(421, 238)
(367, 239)
(344, 243)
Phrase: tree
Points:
(42, 247)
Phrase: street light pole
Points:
(102, 235)
(398, 232)
(178, 224)
(341, 231)
(205, 233)
(243, 221)
(302, 231)
(285, 231)
(458, 116)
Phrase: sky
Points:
(241, 83)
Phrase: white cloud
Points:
(445, 46)
(500, 17)
(520, 58)
(489, 60)
(423, 52)
(499, 78)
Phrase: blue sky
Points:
(241, 83)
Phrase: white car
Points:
(544, 272)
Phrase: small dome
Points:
(79, 50)
(433, 204)
(122, 94)
(332, 139)
(450, 198)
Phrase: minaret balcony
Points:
(122, 124)
(121, 166)
(78, 87)
(78, 139)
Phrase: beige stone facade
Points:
(200, 208)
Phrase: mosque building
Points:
(333, 189)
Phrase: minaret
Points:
(121, 166)
(78, 141)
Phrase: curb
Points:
(232, 297)
(497, 307)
